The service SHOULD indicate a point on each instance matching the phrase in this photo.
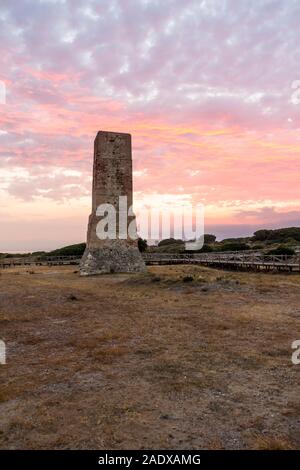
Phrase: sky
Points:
(209, 90)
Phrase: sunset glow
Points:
(212, 113)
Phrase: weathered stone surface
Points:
(112, 177)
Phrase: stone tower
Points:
(112, 178)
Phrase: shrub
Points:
(204, 249)
(172, 248)
(170, 241)
(142, 244)
(208, 238)
(70, 250)
(257, 246)
(282, 250)
(233, 247)
(277, 235)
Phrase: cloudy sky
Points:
(209, 90)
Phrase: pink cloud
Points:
(204, 88)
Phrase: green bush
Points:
(282, 250)
(142, 245)
(233, 247)
(236, 240)
(70, 250)
(208, 238)
(172, 248)
(257, 246)
(204, 249)
(16, 255)
(170, 241)
(277, 235)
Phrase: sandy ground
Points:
(149, 361)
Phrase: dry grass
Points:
(150, 360)
(271, 443)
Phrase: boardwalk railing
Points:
(232, 260)
(236, 260)
(39, 261)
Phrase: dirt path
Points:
(149, 361)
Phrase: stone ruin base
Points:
(119, 258)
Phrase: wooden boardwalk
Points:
(237, 260)
(39, 261)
